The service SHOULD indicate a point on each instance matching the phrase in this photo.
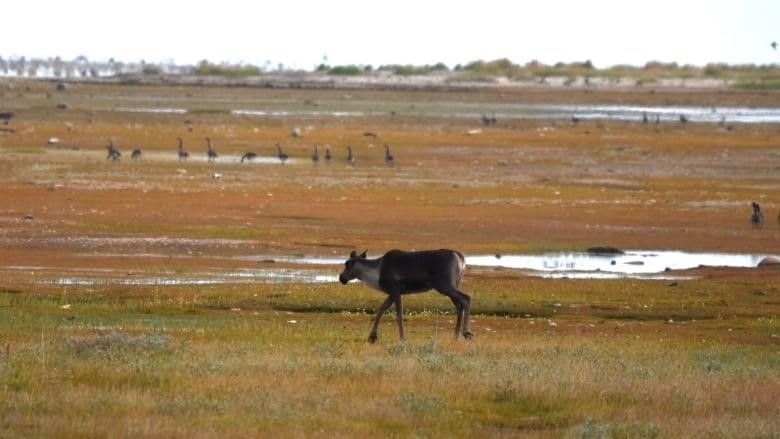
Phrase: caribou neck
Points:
(368, 272)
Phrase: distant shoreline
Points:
(434, 82)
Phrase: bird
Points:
(644, 117)
(282, 156)
(757, 218)
(350, 157)
(212, 155)
(774, 45)
(315, 157)
(488, 120)
(389, 159)
(683, 118)
(136, 154)
(249, 155)
(183, 154)
(113, 153)
(327, 154)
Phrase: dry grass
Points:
(212, 362)
(552, 358)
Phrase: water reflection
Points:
(637, 264)
(505, 112)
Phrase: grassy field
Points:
(694, 356)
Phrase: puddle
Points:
(663, 113)
(151, 110)
(285, 113)
(99, 277)
(635, 264)
(635, 113)
(641, 264)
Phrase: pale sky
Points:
(300, 33)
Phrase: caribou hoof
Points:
(372, 338)
(468, 335)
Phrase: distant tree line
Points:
(81, 67)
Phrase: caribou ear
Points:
(353, 254)
(364, 254)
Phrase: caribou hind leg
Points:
(399, 315)
(459, 313)
(467, 334)
(462, 303)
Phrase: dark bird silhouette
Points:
(6, 116)
(112, 152)
(757, 218)
(136, 154)
(315, 157)
(350, 156)
(327, 154)
(210, 153)
(249, 155)
(282, 156)
(389, 159)
(683, 118)
(774, 45)
(183, 154)
(489, 120)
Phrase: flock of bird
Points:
(211, 154)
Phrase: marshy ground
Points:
(594, 358)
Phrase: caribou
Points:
(400, 272)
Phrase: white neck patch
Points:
(370, 275)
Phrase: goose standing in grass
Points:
(757, 218)
(327, 154)
(112, 153)
(350, 156)
(282, 156)
(389, 159)
(315, 157)
(183, 154)
(210, 153)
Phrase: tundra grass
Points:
(557, 360)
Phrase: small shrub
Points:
(116, 340)
(345, 70)
(419, 406)
(206, 68)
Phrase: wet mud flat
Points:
(560, 170)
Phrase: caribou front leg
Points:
(386, 304)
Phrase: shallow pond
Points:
(633, 264)
(511, 111)
(636, 264)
